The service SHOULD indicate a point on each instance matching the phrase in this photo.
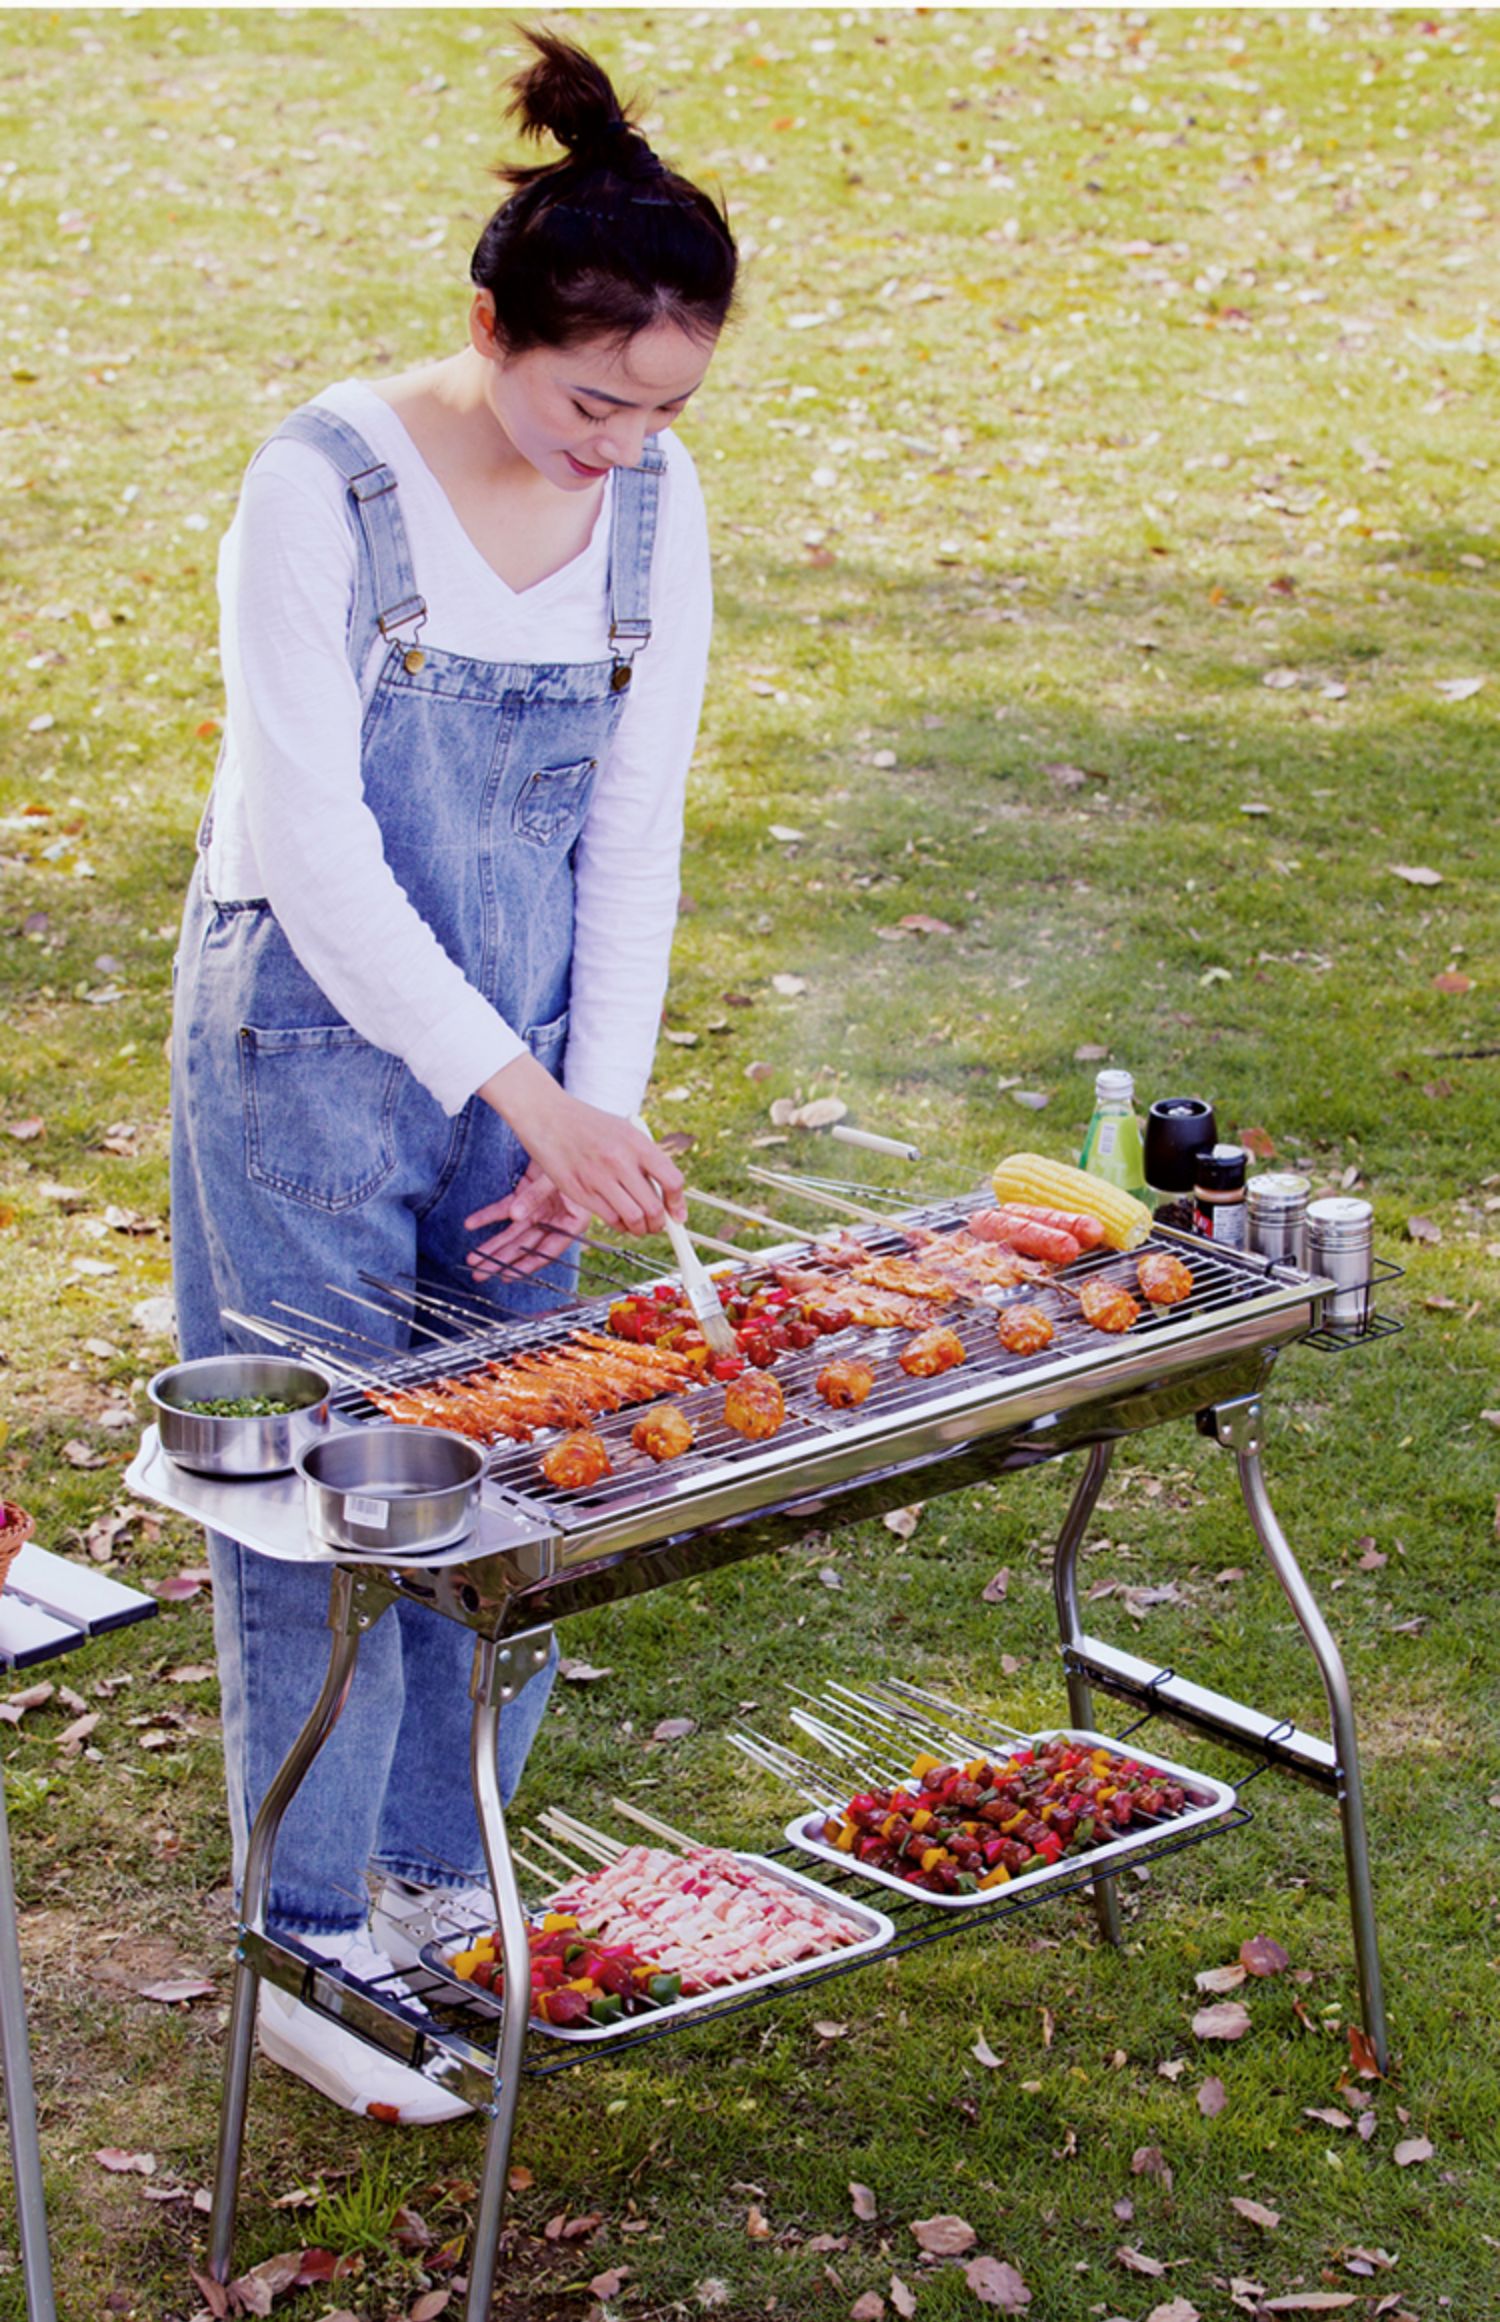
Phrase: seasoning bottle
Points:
(1112, 1147)
(1276, 1214)
(1341, 1245)
(1219, 1195)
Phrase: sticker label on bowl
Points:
(376, 1514)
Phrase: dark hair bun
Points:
(566, 95)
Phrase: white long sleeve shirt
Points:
(290, 823)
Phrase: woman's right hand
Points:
(599, 1164)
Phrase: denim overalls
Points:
(302, 1155)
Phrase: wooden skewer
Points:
(545, 1879)
(582, 1834)
(660, 1829)
(535, 1838)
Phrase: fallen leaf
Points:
(1411, 2150)
(1124, 2210)
(173, 1993)
(1065, 776)
(178, 1587)
(579, 2228)
(1458, 688)
(831, 2031)
(903, 1521)
(1260, 1142)
(1362, 2057)
(1175, 2310)
(1150, 2161)
(1212, 2098)
(943, 2236)
(1174, 2068)
(869, 2308)
(191, 1673)
(864, 2204)
(581, 1672)
(789, 987)
(996, 1589)
(82, 1454)
(1135, 2261)
(1255, 2213)
(1035, 1100)
(1310, 2302)
(1222, 1978)
(26, 1132)
(1263, 1955)
(922, 923)
(1416, 874)
(1328, 2115)
(674, 1729)
(820, 1114)
(214, 2295)
(72, 1738)
(1230, 2020)
(1452, 981)
(785, 833)
(1281, 680)
(434, 2302)
(984, 2054)
(121, 2163)
(903, 2299)
(827, 2244)
(1422, 1229)
(995, 2283)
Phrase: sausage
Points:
(1019, 1232)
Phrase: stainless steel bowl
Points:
(213, 1445)
(392, 1491)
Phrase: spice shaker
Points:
(1219, 1195)
(1276, 1217)
(1341, 1245)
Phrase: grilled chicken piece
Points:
(665, 1433)
(578, 1460)
(754, 1405)
(1106, 1305)
(1024, 1330)
(1163, 1278)
(846, 1383)
(930, 1352)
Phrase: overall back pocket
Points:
(320, 1108)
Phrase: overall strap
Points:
(385, 592)
(632, 536)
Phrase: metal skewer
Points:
(758, 1217)
(818, 1199)
(299, 1340)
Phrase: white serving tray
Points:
(1211, 1799)
(876, 1931)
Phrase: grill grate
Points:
(1224, 1284)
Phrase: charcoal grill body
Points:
(537, 1558)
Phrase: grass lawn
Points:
(1103, 488)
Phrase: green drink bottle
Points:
(1112, 1147)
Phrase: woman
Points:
(465, 623)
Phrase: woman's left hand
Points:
(538, 1222)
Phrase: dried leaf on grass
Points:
(1255, 2213)
(606, 2285)
(865, 2207)
(1263, 1955)
(581, 1672)
(1135, 2261)
(1222, 1978)
(997, 1588)
(674, 1729)
(1327, 2115)
(903, 2299)
(995, 2283)
(1175, 2310)
(903, 1521)
(1229, 2020)
(984, 2054)
(1411, 2150)
(173, 1992)
(1310, 2302)
(121, 2163)
(943, 2236)
(1150, 2161)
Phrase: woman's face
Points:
(576, 412)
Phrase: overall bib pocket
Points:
(554, 800)
(319, 1106)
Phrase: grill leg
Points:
(1070, 1629)
(354, 1602)
(1238, 1427)
(500, 1672)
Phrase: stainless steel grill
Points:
(539, 1554)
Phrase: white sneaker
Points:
(334, 2061)
(405, 1917)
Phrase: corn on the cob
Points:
(1058, 1185)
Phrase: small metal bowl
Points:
(241, 1447)
(392, 1491)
